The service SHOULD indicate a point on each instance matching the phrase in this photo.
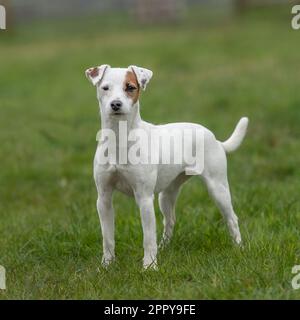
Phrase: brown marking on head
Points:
(131, 86)
(94, 72)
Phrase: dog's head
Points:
(118, 89)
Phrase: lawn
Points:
(209, 71)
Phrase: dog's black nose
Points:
(116, 105)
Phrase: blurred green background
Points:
(212, 65)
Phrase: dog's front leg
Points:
(106, 215)
(146, 206)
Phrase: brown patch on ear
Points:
(131, 79)
(94, 72)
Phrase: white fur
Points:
(237, 136)
(143, 181)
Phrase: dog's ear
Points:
(143, 75)
(95, 74)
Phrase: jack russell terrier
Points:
(118, 91)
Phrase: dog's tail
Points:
(237, 136)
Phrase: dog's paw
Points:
(107, 261)
(240, 244)
(150, 266)
(237, 239)
(163, 244)
(165, 241)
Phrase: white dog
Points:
(118, 91)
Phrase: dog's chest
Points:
(122, 184)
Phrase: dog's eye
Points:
(105, 88)
(130, 88)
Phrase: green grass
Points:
(211, 73)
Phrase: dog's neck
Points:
(133, 120)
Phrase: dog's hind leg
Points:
(219, 191)
(215, 177)
(167, 201)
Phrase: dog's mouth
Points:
(117, 113)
